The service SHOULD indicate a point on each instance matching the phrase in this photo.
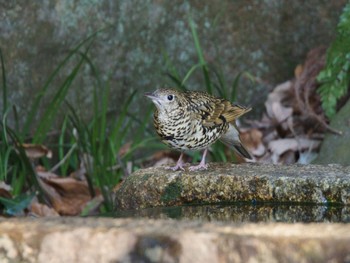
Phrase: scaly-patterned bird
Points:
(193, 120)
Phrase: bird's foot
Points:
(178, 166)
(201, 166)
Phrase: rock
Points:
(316, 184)
(127, 240)
(266, 38)
(245, 212)
(335, 148)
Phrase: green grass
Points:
(94, 143)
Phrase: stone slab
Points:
(222, 183)
(128, 240)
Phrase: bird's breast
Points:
(183, 132)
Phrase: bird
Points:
(194, 120)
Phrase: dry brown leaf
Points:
(45, 174)
(277, 95)
(252, 139)
(5, 190)
(67, 195)
(86, 164)
(280, 146)
(42, 210)
(280, 113)
(117, 186)
(287, 158)
(163, 161)
(298, 70)
(35, 151)
(80, 173)
(163, 157)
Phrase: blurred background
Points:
(142, 40)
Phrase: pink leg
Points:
(179, 164)
(202, 164)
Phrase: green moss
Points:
(172, 192)
(144, 177)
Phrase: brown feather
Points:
(214, 111)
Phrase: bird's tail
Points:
(231, 139)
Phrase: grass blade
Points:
(34, 108)
(47, 119)
(190, 72)
(4, 85)
(202, 61)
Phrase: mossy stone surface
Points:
(336, 148)
(314, 184)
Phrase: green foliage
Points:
(15, 206)
(202, 61)
(16, 169)
(94, 144)
(335, 77)
(98, 146)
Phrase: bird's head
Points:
(166, 99)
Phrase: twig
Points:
(69, 153)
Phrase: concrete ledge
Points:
(127, 240)
(317, 184)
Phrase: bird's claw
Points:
(175, 168)
(198, 167)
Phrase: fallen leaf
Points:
(86, 165)
(67, 195)
(5, 190)
(279, 112)
(42, 210)
(298, 70)
(287, 158)
(35, 151)
(278, 95)
(280, 146)
(45, 175)
(160, 158)
(252, 139)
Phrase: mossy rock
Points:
(336, 148)
(225, 182)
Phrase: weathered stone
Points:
(246, 212)
(267, 38)
(232, 183)
(126, 240)
(335, 148)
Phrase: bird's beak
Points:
(154, 98)
(151, 96)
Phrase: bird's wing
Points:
(213, 111)
(233, 111)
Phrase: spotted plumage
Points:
(193, 120)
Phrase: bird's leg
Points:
(202, 164)
(179, 164)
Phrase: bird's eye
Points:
(170, 97)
